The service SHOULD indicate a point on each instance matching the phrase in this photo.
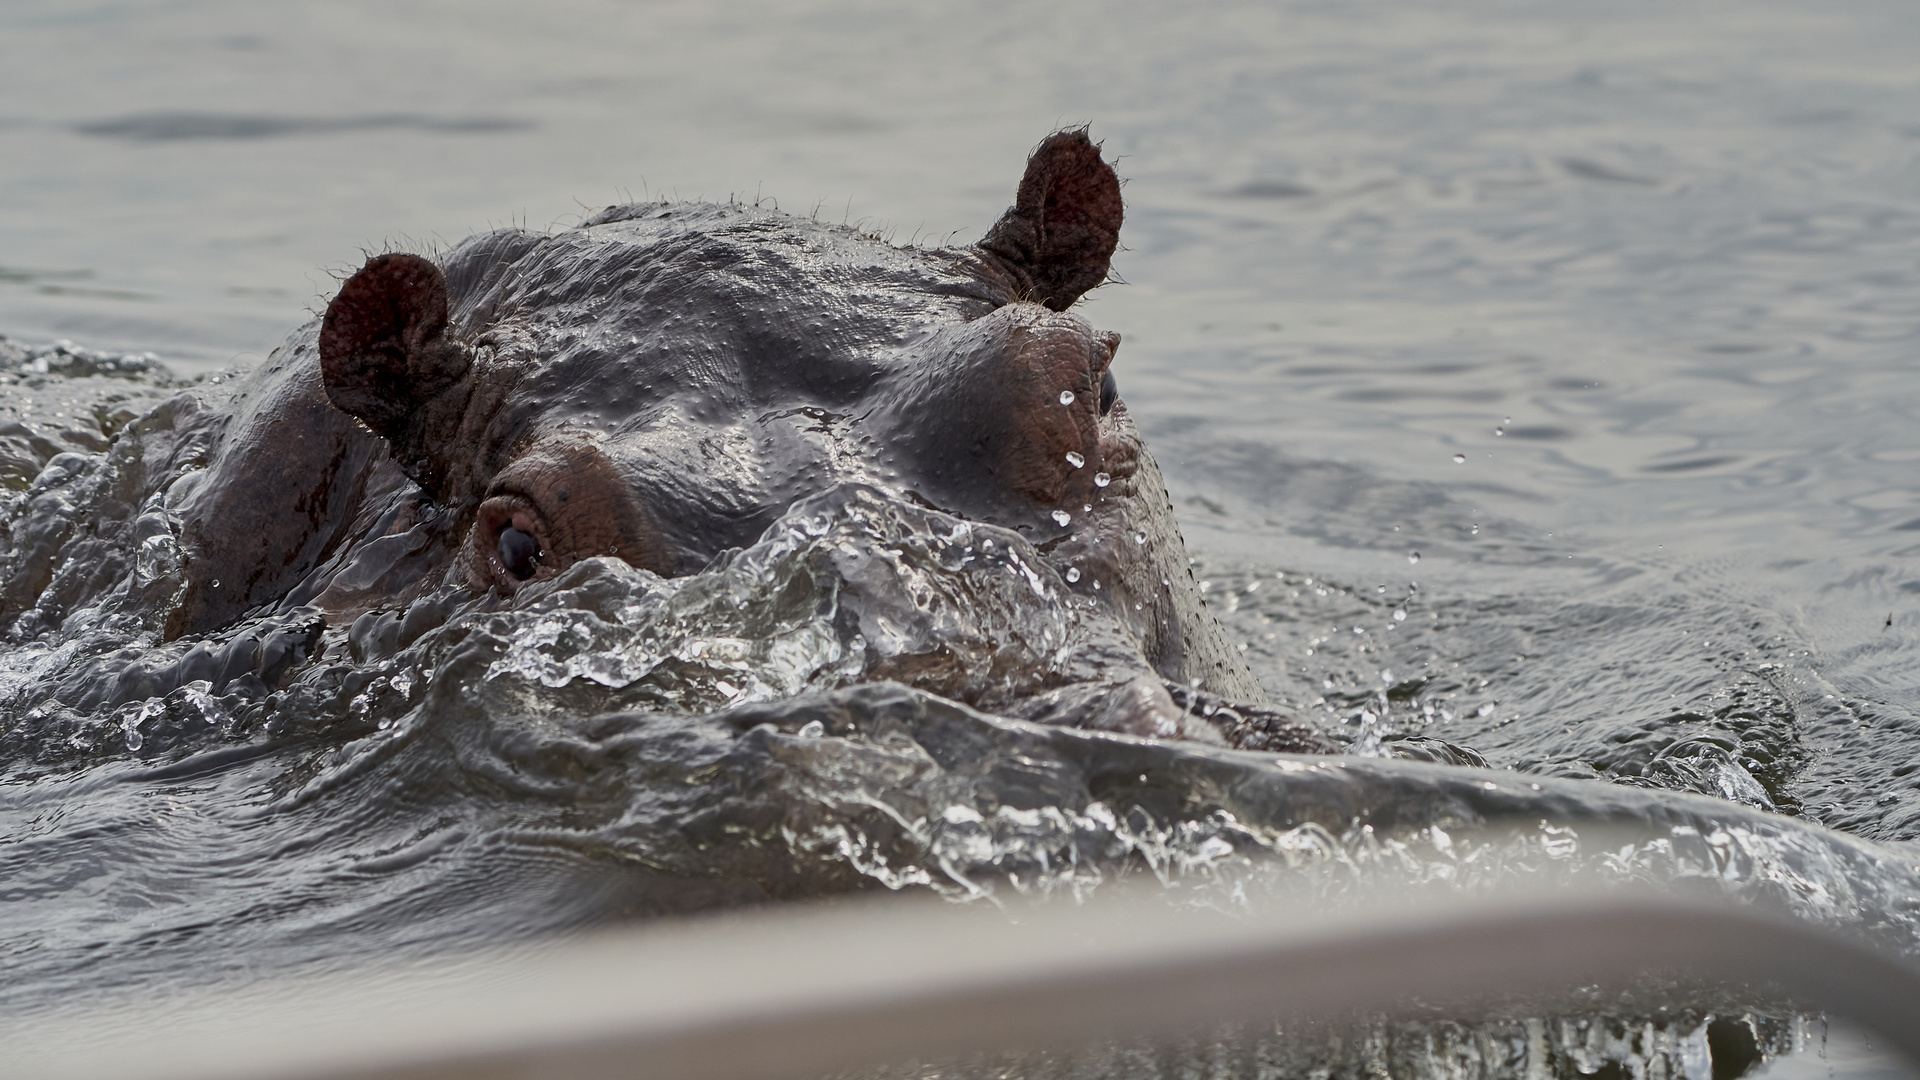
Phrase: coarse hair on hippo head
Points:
(660, 383)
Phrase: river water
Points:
(1534, 377)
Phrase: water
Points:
(1532, 377)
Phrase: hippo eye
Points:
(518, 552)
(1109, 392)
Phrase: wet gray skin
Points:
(661, 384)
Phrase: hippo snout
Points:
(1007, 417)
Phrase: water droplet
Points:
(1073, 573)
(1499, 431)
(1459, 459)
(1400, 615)
(1413, 558)
(812, 729)
(216, 583)
(1140, 537)
(1387, 677)
(1101, 479)
(1075, 458)
(1096, 584)
(1062, 518)
(1066, 397)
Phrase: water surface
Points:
(1534, 377)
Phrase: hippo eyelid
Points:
(1109, 387)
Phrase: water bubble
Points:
(1096, 584)
(158, 557)
(1062, 518)
(1073, 573)
(1101, 479)
(1400, 615)
(403, 683)
(154, 709)
(196, 696)
(1387, 677)
(1459, 459)
(216, 583)
(1066, 397)
(812, 729)
(1559, 843)
(1140, 537)
(1413, 558)
(1075, 458)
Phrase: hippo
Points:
(660, 383)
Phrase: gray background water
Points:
(1670, 250)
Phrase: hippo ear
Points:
(383, 343)
(1064, 223)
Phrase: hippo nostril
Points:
(518, 552)
(1109, 392)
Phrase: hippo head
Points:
(661, 383)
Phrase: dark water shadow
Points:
(182, 125)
